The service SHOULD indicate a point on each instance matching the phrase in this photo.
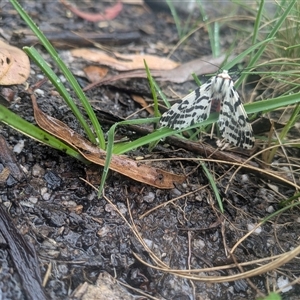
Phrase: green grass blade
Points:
(216, 40)
(272, 34)
(258, 21)
(240, 57)
(271, 104)
(213, 186)
(69, 76)
(42, 64)
(213, 33)
(152, 88)
(284, 131)
(109, 153)
(271, 296)
(175, 17)
(14, 121)
(111, 147)
(160, 93)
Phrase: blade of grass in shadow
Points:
(152, 88)
(240, 57)
(69, 76)
(213, 31)
(257, 23)
(290, 201)
(271, 35)
(110, 146)
(26, 128)
(154, 136)
(196, 79)
(213, 186)
(284, 131)
(175, 17)
(155, 100)
(216, 40)
(42, 64)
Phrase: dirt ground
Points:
(59, 240)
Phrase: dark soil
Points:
(55, 228)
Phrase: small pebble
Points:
(37, 171)
(245, 178)
(149, 198)
(122, 208)
(39, 92)
(175, 193)
(43, 190)
(256, 231)
(283, 281)
(46, 196)
(270, 209)
(273, 187)
(19, 147)
(199, 244)
(33, 199)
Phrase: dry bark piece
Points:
(67, 39)
(8, 159)
(23, 256)
(14, 65)
(8, 94)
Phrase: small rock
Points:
(37, 171)
(19, 147)
(39, 92)
(245, 178)
(175, 193)
(149, 198)
(53, 180)
(46, 196)
(282, 282)
(256, 231)
(270, 209)
(33, 199)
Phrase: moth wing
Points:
(193, 108)
(233, 120)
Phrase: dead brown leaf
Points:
(119, 163)
(125, 62)
(143, 103)
(95, 73)
(14, 65)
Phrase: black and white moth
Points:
(195, 108)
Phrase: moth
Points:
(196, 107)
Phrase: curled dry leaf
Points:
(14, 65)
(119, 163)
(125, 62)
